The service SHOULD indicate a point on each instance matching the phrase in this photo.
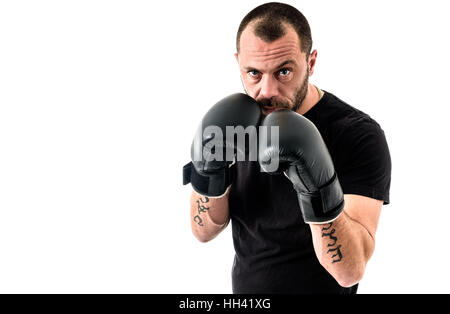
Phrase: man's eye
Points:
(284, 72)
(253, 73)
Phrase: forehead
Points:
(254, 52)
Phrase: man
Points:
(280, 246)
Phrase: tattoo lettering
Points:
(330, 225)
(337, 257)
(330, 234)
(199, 222)
(201, 209)
(338, 254)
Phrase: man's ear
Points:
(236, 55)
(312, 61)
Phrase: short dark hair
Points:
(269, 27)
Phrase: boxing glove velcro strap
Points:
(331, 195)
(187, 173)
(209, 184)
(324, 206)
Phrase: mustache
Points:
(275, 103)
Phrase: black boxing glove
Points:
(208, 175)
(305, 160)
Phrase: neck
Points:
(311, 99)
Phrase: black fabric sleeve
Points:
(363, 161)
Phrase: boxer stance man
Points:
(309, 227)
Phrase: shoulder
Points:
(359, 150)
(360, 131)
(344, 124)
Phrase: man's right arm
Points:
(209, 173)
(209, 215)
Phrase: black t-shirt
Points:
(274, 248)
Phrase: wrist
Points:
(212, 184)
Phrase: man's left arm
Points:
(343, 225)
(345, 245)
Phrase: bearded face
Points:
(293, 103)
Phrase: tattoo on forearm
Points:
(201, 209)
(331, 236)
(337, 257)
(198, 220)
(338, 254)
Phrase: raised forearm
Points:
(209, 216)
(343, 248)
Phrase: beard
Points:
(286, 103)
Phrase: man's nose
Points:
(269, 87)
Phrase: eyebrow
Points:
(279, 66)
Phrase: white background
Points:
(99, 101)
